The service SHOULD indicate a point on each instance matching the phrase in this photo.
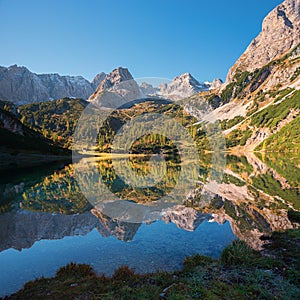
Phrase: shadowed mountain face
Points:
(21, 146)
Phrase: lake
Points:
(46, 221)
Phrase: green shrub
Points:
(196, 260)
(238, 137)
(294, 216)
(76, 270)
(238, 253)
(228, 123)
(285, 140)
(273, 114)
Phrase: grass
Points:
(240, 273)
(237, 254)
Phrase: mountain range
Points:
(257, 108)
(21, 86)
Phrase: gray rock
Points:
(181, 87)
(97, 80)
(280, 33)
(216, 83)
(115, 89)
(148, 89)
(19, 85)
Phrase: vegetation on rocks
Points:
(286, 140)
(273, 114)
(238, 137)
(228, 123)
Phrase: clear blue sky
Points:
(160, 38)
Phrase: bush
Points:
(196, 260)
(76, 270)
(238, 253)
(123, 273)
(294, 216)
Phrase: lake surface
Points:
(46, 221)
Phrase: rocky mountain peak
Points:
(117, 76)
(117, 88)
(98, 79)
(280, 33)
(148, 89)
(186, 78)
(182, 86)
(216, 83)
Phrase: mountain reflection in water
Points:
(253, 195)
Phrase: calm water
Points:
(46, 222)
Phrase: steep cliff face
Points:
(115, 77)
(280, 33)
(260, 96)
(19, 85)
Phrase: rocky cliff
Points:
(280, 33)
(97, 80)
(260, 97)
(116, 88)
(19, 85)
(181, 87)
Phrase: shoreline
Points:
(240, 273)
